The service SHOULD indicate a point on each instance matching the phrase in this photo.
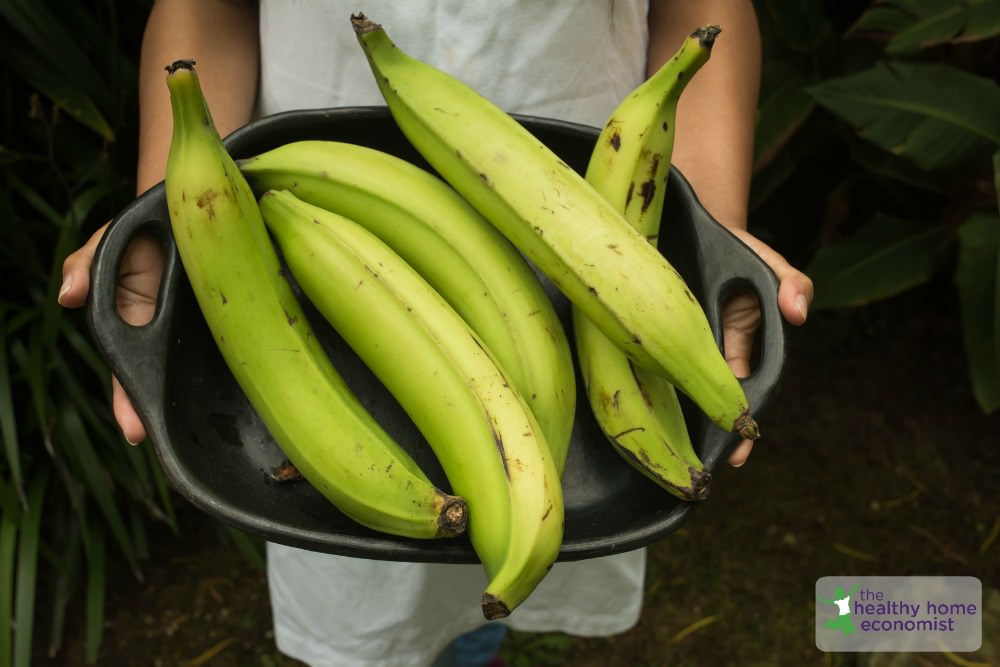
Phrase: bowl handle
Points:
(136, 354)
(741, 270)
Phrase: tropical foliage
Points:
(71, 493)
(888, 116)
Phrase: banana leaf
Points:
(769, 177)
(977, 279)
(893, 171)
(783, 110)
(936, 115)
(885, 257)
(800, 25)
(920, 24)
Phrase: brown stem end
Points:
(706, 35)
(183, 63)
(493, 607)
(362, 25)
(701, 484)
(746, 426)
(454, 516)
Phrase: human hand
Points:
(741, 317)
(138, 283)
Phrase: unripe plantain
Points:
(480, 428)
(638, 410)
(458, 252)
(268, 345)
(560, 223)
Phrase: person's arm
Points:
(713, 148)
(713, 145)
(222, 37)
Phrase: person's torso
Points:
(573, 59)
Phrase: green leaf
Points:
(8, 549)
(27, 570)
(84, 348)
(800, 24)
(53, 41)
(33, 372)
(95, 596)
(52, 82)
(769, 178)
(883, 17)
(936, 115)
(977, 279)
(88, 468)
(886, 257)
(250, 547)
(996, 176)
(8, 416)
(880, 164)
(782, 113)
(920, 24)
(64, 573)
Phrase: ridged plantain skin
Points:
(562, 224)
(459, 253)
(268, 345)
(480, 428)
(638, 410)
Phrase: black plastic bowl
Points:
(219, 456)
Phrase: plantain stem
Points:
(184, 63)
(706, 35)
(362, 25)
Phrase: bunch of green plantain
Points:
(430, 278)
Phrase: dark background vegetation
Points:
(877, 161)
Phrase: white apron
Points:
(573, 60)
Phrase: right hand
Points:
(138, 283)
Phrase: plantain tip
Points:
(183, 63)
(454, 517)
(746, 426)
(362, 25)
(701, 484)
(706, 35)
(493, 607)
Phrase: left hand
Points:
(741, 317)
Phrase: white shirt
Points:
(574, 60)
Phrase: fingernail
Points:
(67, 285)
(802, 305)
(738, 465)
(129, 441)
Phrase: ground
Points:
(875, 460)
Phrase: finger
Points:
(794, 296)
(795, 291)
(76, 272)
(740, 319)
(740, 454)
(139, 279)
(126, 416)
